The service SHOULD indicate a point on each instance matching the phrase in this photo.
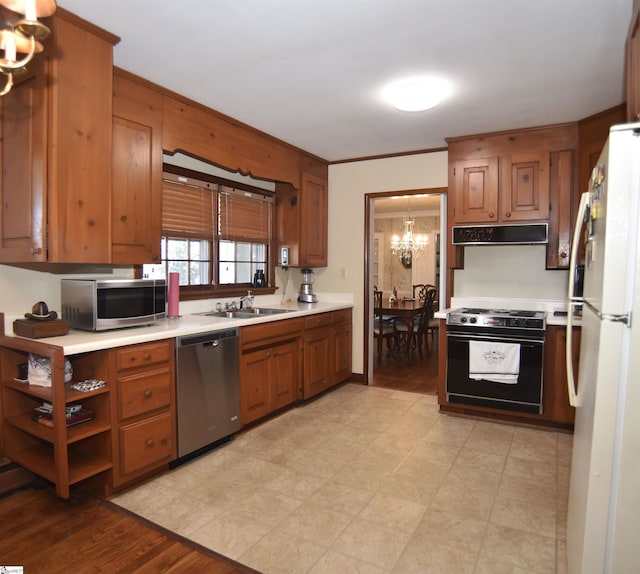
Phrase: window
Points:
(189, 257)
(238, 261)
(216, 236)
(244, 231)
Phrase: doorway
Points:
(384, 216)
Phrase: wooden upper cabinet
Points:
(633, 68)
(301, 222)
(314, 221)
(56, 126)
(525, 187)
(516, 177)
(476, 190)
(136, 209)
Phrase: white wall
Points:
(348, 184)
(21, 288)
(510, 271)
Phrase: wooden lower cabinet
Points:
(327, 351)
(144, 409)
(293, 359)
(555, 393)
(270, 367)
(268, 380)
(341, 345)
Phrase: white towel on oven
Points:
(494, 361)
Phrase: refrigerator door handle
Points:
(585, 200)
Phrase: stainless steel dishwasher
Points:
(208, 389)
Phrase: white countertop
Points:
(548, 306)
(77, 341)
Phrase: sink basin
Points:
(245, 313)
(229, 314)
(266, 311)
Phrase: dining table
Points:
(405, 309)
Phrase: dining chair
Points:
(427, 321)
(382, 326)
(433, 324)
(420, 290)
(412, 336)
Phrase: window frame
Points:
(183, 176)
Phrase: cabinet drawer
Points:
(319, 320)
(342, 316)
(146, 443)
(272, 330)
(142, 355)
(143, 392)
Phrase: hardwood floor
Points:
(84, 534)
(416, 376)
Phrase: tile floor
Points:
(369, 480)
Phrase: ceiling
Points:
(309, 72)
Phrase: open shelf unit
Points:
(62, 454)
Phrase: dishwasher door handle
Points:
(211, 343)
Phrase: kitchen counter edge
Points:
(76, 341)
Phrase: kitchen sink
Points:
(245, 313)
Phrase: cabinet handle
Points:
(36, 250)
(149, 442)
(491, 216)
(508, 214)
(147, 394)
(563, 255)
(147, 356)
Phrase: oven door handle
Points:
(500, 338)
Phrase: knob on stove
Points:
(472, 319)
(463, 319)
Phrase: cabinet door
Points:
(284, 375)
(524, 193)
(476, 190)
(341, 352)
(317, 364)
(555, 393)
(255, 375)
(57, 151)
(80, 145)
(24, 148)
(561, 219)
(313, 221)
(137, 173)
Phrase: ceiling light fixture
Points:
(20, 37)
(409, 244)
(416, 94)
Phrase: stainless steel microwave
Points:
(101, 304)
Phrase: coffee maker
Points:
(306, 294)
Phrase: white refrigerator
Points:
(604, 496)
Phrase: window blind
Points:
(188, 210)
(244, 215)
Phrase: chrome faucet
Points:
(248, 298)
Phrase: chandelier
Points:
(20, 37)
(410, 243)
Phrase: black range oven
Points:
(494, 334)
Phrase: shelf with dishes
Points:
(36, 417)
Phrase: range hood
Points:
(525, 234)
